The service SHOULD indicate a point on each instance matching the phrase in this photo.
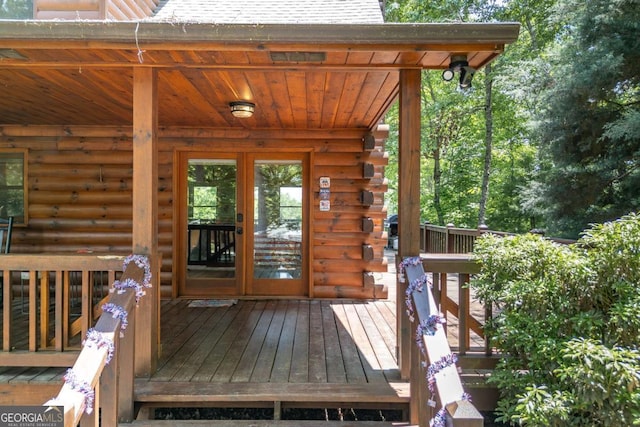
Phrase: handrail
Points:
(99, 387)
(431, 345)
(454, 240)
(456, 270)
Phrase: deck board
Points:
(353, 364)
(300, 362)
(284, 353)
(264, 365)
(335, 359)
(249, 358)
(302, 352)
(317, 356)
(217, 345)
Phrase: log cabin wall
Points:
(80, 190)
(120, 10)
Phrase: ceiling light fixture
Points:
(242, 109)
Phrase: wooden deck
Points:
(287, 353)
(273, 354)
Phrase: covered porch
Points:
(274, 354)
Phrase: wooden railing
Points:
(437, 239)
(56, 298)
(439, 385)
(98, 389)
(450, 275)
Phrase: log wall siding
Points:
(117, 10)
(80, 190)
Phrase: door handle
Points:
(239, 230)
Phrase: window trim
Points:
(25, 183)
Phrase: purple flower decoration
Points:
(416, 285)
(437, 366)
(82, 387)
(440, 420)
(97, 340)
(122, 286)
(142, 262)
(408, 262)
(117, 312)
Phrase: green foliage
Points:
(568, 321)
(589, 118)
(453, 131)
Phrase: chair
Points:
(5, 244)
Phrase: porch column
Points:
(145, 212)
(408, 198)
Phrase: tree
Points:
(471, 140)
(589, 126)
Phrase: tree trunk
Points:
(437, 175)
(488, 139)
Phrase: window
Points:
(16, 9)
(13, 187)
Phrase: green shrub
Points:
(567, 319)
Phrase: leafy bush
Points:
(567, 319)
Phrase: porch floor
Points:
(261, 353)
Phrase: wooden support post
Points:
(126, 372)
(417, 408)
(7, 302)
(488, 314)
(145, 210)
(59, 319)
(33, 310)
(464, 303)
(463, 414)
(277, 410)
(408, 196)
(109, 383)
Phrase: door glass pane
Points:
(277, 219)
(211, 213)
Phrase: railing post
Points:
(109, 388)
(450, 245)
(463, 414)
(126, 371)
(417, 409)
(463, 314)
(482, 229)
(488, 314)
(426, 237)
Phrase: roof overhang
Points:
(196, 36)
(223, 62)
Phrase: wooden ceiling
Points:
(74, 74)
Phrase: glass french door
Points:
(242, 224)
(212, 225)
(276, 190)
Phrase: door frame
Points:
(274, 287)
(226, 287)
(244, 189)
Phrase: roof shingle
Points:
(270, 11)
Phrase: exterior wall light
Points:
(459, 65)
(242, 109)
